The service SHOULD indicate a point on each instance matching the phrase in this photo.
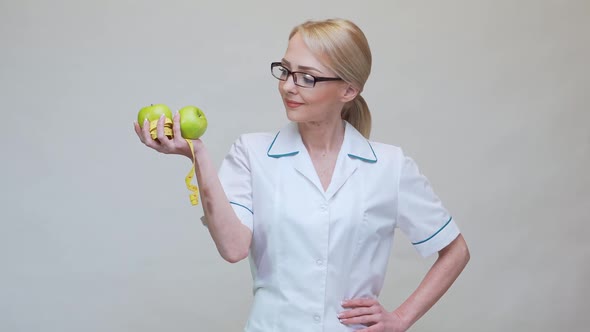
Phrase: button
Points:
(324, 207)
(319, 262)
(317, 318)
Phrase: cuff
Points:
(244, 214)
(437, 241)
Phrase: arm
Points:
(231, 237)
(451, 261)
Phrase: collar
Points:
(288, 142)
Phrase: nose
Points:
(288, 86)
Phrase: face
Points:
(322, 103)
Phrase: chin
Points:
(292, 117)
(295, 115)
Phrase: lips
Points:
(292, 104)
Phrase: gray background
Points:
(97, 233)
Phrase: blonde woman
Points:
(315, 204)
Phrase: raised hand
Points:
(163, 144)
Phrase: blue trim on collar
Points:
(372, 161)
(278, 155)
(234, 203)
(433, 235)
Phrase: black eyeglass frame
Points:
(292, 73)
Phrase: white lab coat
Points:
(313, 248)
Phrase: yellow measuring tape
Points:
(194, 195)
(167, 128)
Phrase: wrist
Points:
(198, 149)
(405, 321)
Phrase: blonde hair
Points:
(345, 49)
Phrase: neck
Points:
(322, 137)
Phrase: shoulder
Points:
(392, 157)
(254, 143)
(388, 153)
(256, 138)
(396, 158)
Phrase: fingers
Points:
(169, 145)
(162, 143)
(362, 311)
(138, 131)
(353, 303)
(147, 137)
(356, 312)
(176, 125)
(174, 144)
(160, 131)
(379, 327)
(367, 320)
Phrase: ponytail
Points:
(356, 112)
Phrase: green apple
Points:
(193, 122)
(153, 112)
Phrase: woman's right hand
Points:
(175, 145)
(232, 238)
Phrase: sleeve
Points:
(235, 178)
(421, 215)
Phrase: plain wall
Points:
(491, 98)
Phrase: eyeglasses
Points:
(301, 79)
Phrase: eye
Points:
(308, 79)
(280, 72)
(284, 72)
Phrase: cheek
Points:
(317, 97)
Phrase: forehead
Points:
(298, 54)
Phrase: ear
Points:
(349, 93)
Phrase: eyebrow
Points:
(302, 67)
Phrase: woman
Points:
(315, 205)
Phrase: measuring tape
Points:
(194, 195)
(167, 128)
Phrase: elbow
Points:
(235, 250)
(466, 256)
(464, 252)
(234, 256)
(457, 251)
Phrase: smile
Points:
(292, 104)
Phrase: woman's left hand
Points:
(370, 313)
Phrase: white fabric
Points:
(311, 249)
